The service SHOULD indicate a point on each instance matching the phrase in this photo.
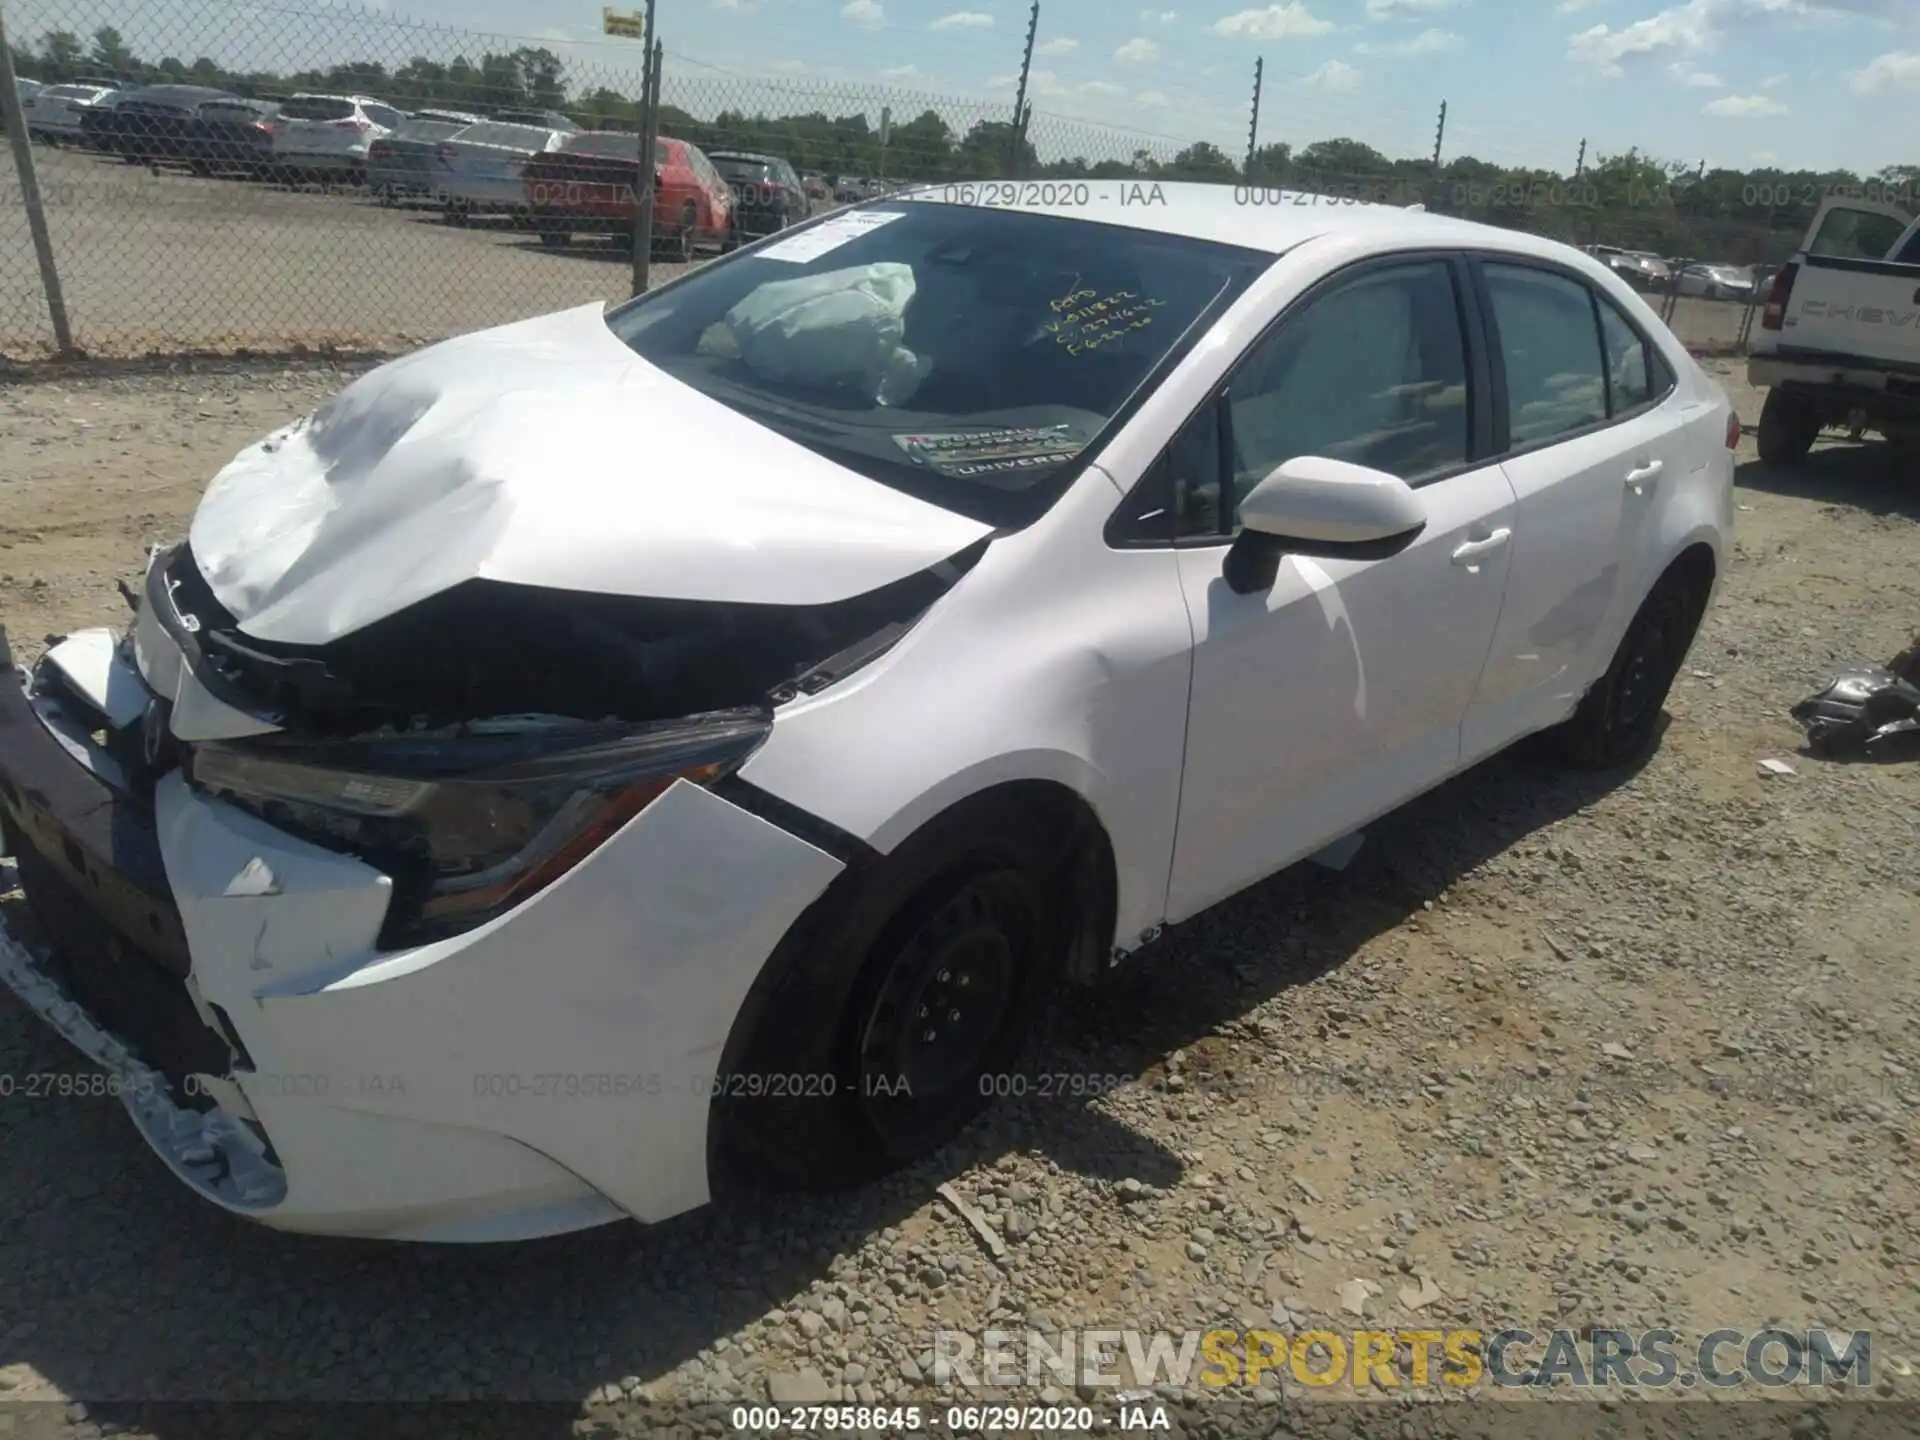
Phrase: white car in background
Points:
(717, 724)
(482, 169)
(55, 112)
(331, 134)
(1717, 282)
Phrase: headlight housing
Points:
(470, 822)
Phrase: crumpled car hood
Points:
(542, 453)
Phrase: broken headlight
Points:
(469, 822)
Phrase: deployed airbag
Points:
(838, 330)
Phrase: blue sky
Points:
(1739, 83)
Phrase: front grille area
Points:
(127, 989)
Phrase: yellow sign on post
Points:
(632, 25)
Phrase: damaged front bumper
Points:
(548, 1070)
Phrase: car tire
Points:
(932, 968)
(1618, 720)
(556, 239)
(1788, 428)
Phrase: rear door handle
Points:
(1469, 555)
(1638, 477)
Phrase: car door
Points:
(1591, 432)
(1337, 692)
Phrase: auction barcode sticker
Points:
(829, 235)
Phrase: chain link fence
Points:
(269, 177)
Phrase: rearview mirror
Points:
(1311, 505)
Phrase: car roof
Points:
(1228, 214)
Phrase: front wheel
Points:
(891, 1026)
(1788, 428)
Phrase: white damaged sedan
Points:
(715, 725)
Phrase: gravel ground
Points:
(1635, 1050)
(173, 262)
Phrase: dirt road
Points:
(1636, 1050)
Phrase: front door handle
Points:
(1473, 552)
(1638, 477)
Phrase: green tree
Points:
(112, 56)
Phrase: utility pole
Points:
(645, 170)
(1439, 135)
(1580, 165)
(15, 125)
(1253, 126)
(1020, 99)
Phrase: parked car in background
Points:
(55, 112)
(544, 119)
(1638, 268)
(817, 188)
(481, 170)
(400, 165)
(1716, 282)
(26, 89)
(767, 193)
(586, 185)
(1837, 343)
(150, 124)
(324, 135)
(231, 137)
(849, 189)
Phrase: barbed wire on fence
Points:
(233, 215)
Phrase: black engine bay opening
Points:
(486, 649)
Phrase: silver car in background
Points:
(55, 111)
(1717, 282)
(481, 170)
(400, 166)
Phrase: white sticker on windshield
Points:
(828, 235)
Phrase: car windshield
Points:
(619, 143)
(735, 167)
(965, 355)
(316, 107)
(507, 136)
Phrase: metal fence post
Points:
(643, 175)
(16, 128)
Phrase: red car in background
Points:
(587, 186)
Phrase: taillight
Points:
(1775, 315)
(1733, 429)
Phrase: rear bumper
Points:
(545, 1072)
(1845, 380)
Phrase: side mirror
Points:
(1311, 505)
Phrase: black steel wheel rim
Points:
(940, 1009)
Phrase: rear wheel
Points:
(1619, 717)
(1788, 428)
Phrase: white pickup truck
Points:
(1839, 340)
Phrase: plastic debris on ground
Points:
(1867, 711)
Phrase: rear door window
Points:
(314, 107)
(1550, 341)
(384, 117)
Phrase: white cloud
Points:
(1695, 26)
(1765, 157)
(1137, 50)
(1406, 9)
(964, 20)
(1894, 68)
(1102, 87)
(1333, 77)
(863, 12)
(1574, 7)
(1684, 73)
(1153, 99)
(1290, 19)
(902, 74)
(1742, 107)
(1059, 45)
(1159, 17)
(1773, 82)
(1427, 42)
